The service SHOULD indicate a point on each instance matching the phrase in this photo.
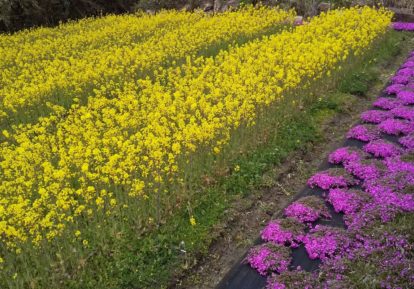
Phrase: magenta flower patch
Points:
(396, 126)
(407, 141)
(269, 257)
(387, 103)
(347, 201)
(409, 63)
(404, 163)
(364, 132)
(403, 26)
(307, 209)
(394, 88)
(296, 279)
(406, 71)
(401, 79)
(324, 242)
(375, 116)
(346, 155)
(332, 178)
(371, 214)
(403, 112)
(366, 169)
(382, 148)
(406, 96)
(284, 232)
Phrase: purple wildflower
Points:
(396, 126)
(387, 103)
(346, 155)
(403, 26)
(406, 97)
(366, 169)
(332, 178)
(382, 148)
(405, 71)
(347, 201)
(375, 116)
(403, 112)
(307, 209)
(284, 232)
(323, 242)
(363, 133)
(394, 88)
(400, 79)
(296, 279)
(269, 257)
(407, 141)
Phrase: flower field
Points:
(370, 186)
(103, 120)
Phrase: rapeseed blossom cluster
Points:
(47, 69)
(127, 142)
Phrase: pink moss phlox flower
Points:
(284, 232)
(307, 209)
(365, 169)
(332, 178)
(323, 242)
(370, 213)
(409, 86)
(406, 71)
(294, 279)
(400, 164)
(396, 126)
(375, 116)
(269, 257)
(387, 195)
(345, 155)
(400, 79)
(403, 112)
(347, 201)
(387, 103)
(364, 133)
(409, 63)
(407, 141)
(406, 97)
(403, 26)
(382, 148)
(394, 88)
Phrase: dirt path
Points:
(247, 216)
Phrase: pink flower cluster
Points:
(387, 103)
(375, 116)
(332, 178)
(323, 242)
(269, 257)
(347, 201)
(365, 169)
(382, 148)
(396, 127)
(286, 231)
(345, 155)
(307, 209)
(407, 141)
(364, 133)
(384, 171)
(403, 26)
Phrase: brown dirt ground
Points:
(245, 219)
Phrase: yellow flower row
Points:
(98, 155)
(56, 65)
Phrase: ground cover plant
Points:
(374, 249)
(117, 164)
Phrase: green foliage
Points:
(359, 81)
